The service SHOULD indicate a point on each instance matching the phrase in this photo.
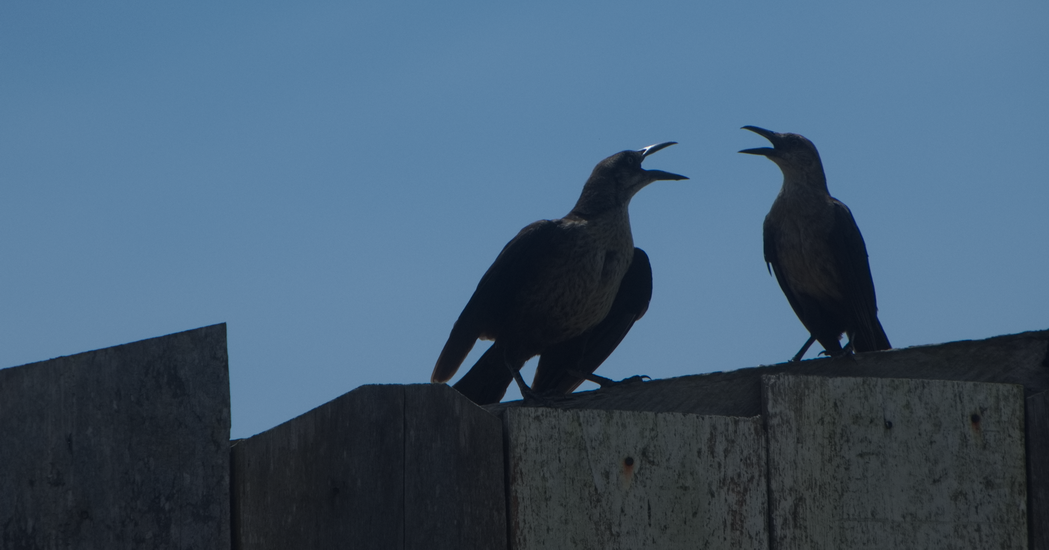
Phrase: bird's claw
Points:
(840, 353)
(636, 379)
(608, 383)
(540, 399)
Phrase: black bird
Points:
(815, 249)
(567, 289)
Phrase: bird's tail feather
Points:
(459, 344)
(487, 380)
(871, 339)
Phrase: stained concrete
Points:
(893, 463)
(611, 480)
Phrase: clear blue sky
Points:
(332, 179)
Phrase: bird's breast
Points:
(805, 259)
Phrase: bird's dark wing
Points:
(769, 236)
(491, 302)
(818, 318)
(584, 353)
(857, 284)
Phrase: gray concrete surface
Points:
(895, 464)
(123, 447)
(607, 480)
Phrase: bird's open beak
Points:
(767, 134)
(659, 174)
(645, 151)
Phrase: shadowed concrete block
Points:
(124, 447)
(1038, 470)
(385, 467)
(889, 463)
(584, 479)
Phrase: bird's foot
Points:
(608, 382)
(636, 379)
(528, 395)
(847, 350)
(533, 398)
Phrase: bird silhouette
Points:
(817, 253)
(568, 290)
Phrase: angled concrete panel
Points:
(584, 479)
(384, 467)
(890, 463)
(124, 447)
(323, 479)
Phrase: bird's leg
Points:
(804, 348)
(516, 373)
(527, 393)
(608, 382)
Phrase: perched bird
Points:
(815, 249)
(567, 289)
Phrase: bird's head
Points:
(795, 155)
(618, 178)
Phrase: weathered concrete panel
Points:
(124, 447)
(613, 479)
(383, 467)
(888, 463)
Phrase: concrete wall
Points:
(128, 447)
(124, 447)
(1019, 359)
(832, 463)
